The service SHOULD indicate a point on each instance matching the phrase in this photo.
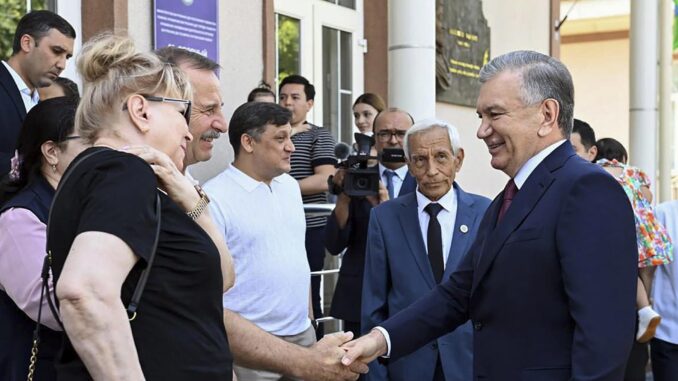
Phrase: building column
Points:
(411, 56)
(643, 86)
(665, 110)
(104, 15)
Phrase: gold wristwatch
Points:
(200, 206)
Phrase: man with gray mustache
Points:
(251, 346)
(207, 117)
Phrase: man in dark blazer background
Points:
(549, 290)
(43, 41)
(347, 225)
(400, 264)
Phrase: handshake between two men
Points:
(345, 359)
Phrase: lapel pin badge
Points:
(463, 228)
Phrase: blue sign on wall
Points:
(187, 24)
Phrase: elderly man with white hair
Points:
(416, 240)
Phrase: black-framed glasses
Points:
(72, 137)
(152, 98)
(385, 136)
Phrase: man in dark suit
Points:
(409, 250)
(347, 225)
(549, 290)
(43, 41)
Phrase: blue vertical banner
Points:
(187, 24)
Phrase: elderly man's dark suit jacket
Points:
(550, 289)
(398, 273)
(353, 237)
(12, 115)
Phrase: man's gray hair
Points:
(427, 125)
(543, 77)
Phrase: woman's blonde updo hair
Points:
(113, 69)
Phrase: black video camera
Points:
(360, 179)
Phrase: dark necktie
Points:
(434, 240)
(389, 183)
(509, 192)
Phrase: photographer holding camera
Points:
(359, 190)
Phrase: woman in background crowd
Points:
(61, 87)
(261, 93)
(105, 222)
(365, 109)
(45, 148)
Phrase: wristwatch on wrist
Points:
(200, 206)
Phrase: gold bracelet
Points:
(200, 206)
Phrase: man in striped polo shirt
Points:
(312, 163)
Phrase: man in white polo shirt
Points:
(258, 207)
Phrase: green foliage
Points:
(12, 11)
(289, 43)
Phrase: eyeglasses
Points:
(186, 113)
(385, 136)
(72, 137)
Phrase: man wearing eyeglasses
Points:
(251, 346)
(390, 127)
(347, 225)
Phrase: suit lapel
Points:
(8, 84)
(464, 222)
(524, 202)
(409, 221)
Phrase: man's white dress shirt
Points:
(398, 178)
(30, 98)
(446, 219)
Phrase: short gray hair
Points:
(427, 125)
(543, 77)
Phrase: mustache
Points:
(211, 134)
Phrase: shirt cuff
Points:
(388, 341)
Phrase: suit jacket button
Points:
(477, 325)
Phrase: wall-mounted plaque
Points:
(462, 48)
(187, 24)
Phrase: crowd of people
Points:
(115, 263)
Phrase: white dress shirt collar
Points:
(400, 172)
(448, 201)
(30, 98)
(526, 170)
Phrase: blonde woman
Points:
(104, 227)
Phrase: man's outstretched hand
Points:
(365, 349)
(327, 356)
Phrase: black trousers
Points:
(637, 363)
(315, 252)
(664, 360)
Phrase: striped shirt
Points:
(312, 148)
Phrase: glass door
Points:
(319, 39)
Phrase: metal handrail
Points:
(323, 210)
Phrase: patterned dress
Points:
(654, 245)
